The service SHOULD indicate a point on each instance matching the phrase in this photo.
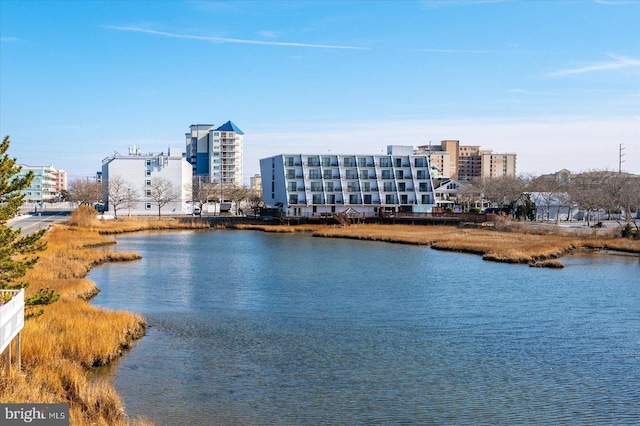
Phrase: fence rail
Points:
(11, 323)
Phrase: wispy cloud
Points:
(475, 51)
(233, 40)
(613, 2)
(618, 62)
(268, 34)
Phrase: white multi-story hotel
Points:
(137, 172)
(216, 152)
(320, 184)
(46, 185)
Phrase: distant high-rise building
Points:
(46, 185)
(464, 162)
(255, 184)
(216, 152)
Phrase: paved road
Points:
(36, 221)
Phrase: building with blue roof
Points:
(216, 153)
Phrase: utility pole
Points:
(620, 160)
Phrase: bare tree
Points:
(547, 191)
(630, 200)
(468, 194)
(130, 199)
(85, 191)
(237, 194)
(120, 193)
(203, 191)
(504, 191)
(585, 190)
(255, 201)
(162, 192)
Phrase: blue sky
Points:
(557, 82)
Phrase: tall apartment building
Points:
(46, 185)
(464, 162)
(317, 184)
(216, 152)
(255, 184)
(138, 170)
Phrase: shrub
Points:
(83, 216)
(629, 232)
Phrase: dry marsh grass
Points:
(120, 226)
(59, 346)
(500, 246)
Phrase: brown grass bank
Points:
(500, 246)
(70, 336)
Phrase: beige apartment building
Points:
(465, 162)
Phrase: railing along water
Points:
(11, 323)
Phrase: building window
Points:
(389, 199)
(314, 174)
(362, 162)
(293, 199)
(328, 186)
(399, 174)
(421, 174)
(364, 174)
(292, 186)
(354, 199)
(331, 199)
(291, 173)
(349, 162)
(351, 174)
(147, 172)
(148, 162)
(317, 198)
(388, 186)
(386, 174)
(316, 186)
(147, 182)
(147, 206)
(402, 187)
(385, 162)
(367, 199)
(313, 161)
(147, 193)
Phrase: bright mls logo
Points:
(38, 414)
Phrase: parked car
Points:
(197, 211)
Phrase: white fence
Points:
(11, 323)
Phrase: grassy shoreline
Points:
(520, 245)
(72, 336)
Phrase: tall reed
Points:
(71, 336)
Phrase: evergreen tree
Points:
(17, 253)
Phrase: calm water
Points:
(254, 328)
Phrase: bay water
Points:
(259, 329)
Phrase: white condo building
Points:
(137, 171)
(216, 152)
(321, 184)
(46, 185)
